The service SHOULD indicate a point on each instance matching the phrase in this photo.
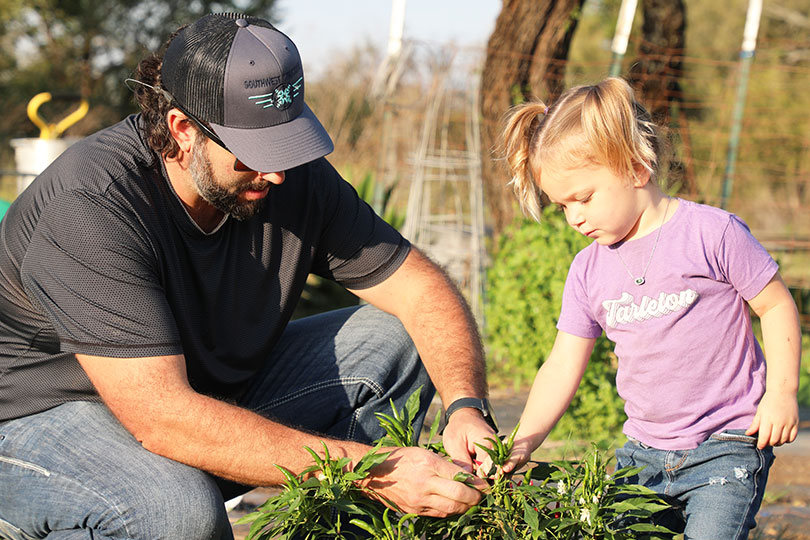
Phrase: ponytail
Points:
(519, 141)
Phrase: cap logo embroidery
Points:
(281, 98)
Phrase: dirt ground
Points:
(785, 512)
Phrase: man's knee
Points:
(193, 509)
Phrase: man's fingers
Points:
(459, 454)
(420, 482)
(444, 497)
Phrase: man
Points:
(146, 281)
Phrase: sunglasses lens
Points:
(239, 166)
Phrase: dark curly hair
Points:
(153, 104)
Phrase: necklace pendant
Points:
(639, 281)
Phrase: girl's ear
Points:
(181, 129)
(642, 176)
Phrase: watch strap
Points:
(481, 404)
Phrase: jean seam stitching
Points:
(376, 388)
(754, 492)
(677, 465)
(353, 425)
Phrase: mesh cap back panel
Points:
(194, 64)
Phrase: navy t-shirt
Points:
(98, 256)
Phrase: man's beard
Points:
(217, 196)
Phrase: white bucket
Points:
(34, 155)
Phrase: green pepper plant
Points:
(557, 500)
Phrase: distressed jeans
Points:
(717, 487)
(74, 472)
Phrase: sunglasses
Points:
(237, 165)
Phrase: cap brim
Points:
(278, 148)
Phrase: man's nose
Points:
(276, 178)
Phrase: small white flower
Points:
(582, 501)
(561, 487)
(321, 476)
(595, 499)
(585, 515)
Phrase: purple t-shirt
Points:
(689, 364)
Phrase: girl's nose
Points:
(574, 217)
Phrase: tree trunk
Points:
(526, 57)
(657, 72)
(656, 76)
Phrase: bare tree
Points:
(526, 57)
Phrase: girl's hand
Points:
(777, 419)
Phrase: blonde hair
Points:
(600, 125)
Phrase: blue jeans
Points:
(717, 487)
(74, 472)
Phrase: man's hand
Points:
(421, 482)
(465, 428)
(777, 419)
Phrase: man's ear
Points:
(181, 129)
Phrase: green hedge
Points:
(524, 289)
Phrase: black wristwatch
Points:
(472, 403)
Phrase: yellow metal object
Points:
(51, 130)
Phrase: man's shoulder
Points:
(111, 152)
(114, 156)
(109, 169)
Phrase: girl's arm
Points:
(553, 389)
(777, 417)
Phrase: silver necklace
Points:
(642, 278)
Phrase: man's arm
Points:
(438, 320)
(153, 400)
(777, 418)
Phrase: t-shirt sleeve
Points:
(576, 317)
(357, 248)
(93, 272)
(745, 263)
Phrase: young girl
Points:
(670, 282)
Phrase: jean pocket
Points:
(734, 436)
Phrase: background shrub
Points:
(524, 289)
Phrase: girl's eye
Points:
(560, 208)
(586, 199)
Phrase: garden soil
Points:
(785, 513)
